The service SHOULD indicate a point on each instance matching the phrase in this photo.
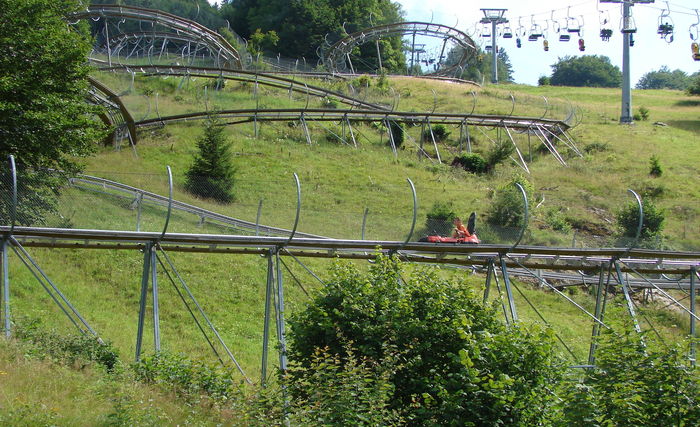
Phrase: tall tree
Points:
(586, 70)
(664, 78)
(478, 67)
(44, 120)
(302, 25)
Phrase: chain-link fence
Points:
(370, 211)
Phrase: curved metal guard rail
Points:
(13, 209)
(296, 219)
(641, 220)
(170, 202)
(415, 215)
(526, 216)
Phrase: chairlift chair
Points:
(696, 51)
(665, 29)
(507, 32)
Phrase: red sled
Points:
(473, 239)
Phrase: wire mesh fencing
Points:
(369, 211)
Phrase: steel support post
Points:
(6, 289)
(599, 306)
(266, 324)
(142, 301)
(509, 291)
(281, 338)
(628, 297)
(139, 203)
(489, 272)
(626, 107)
(156, 311)
(693, 277)
(494, 53)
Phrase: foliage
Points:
(200, 11)
(397, 133)
(655, 166)
(341, 389)
(507, 209)
(586, 70)
(484, 371)
(71, 349)
(302, 26)
(544, 81)
(211, 175)
(652, 225)
(498, 153)
(260, 42)
(557, 219)
(694, 87)
(634, 384)
(664, 78)
(44, 119)
(186, 377)
(471, 162)
(439, 132)
(478, 67)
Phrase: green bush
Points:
(70, 349)
(652, 226)
(186, 377)
(471, 162)
(211, 174)
(634, 384)
(458, 361)
(507, 208)
(439, 219)
(440, 133)
(694, 88)
(499, 153)
(655, 167)
(397, 132)
(643, 113)
(544, 81)
(556, 218)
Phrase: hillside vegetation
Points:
(338, 182)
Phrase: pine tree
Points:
(212, 172)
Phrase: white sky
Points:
(531, 61)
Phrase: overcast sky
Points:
(531, 61)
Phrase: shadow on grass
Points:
(688, 103)
(689, 125)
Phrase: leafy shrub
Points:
(440, 133)
(643, 113)
(363, 81)
(694, 88)
(498, 153)
(340, 389)
(211, 174)
(186, 377)
(655, 167)
(507, 209)
(70, 349)
(397, 132)
(634, 384)
(544, 81)
(327, 102)
(595, 147)
(458, 360)
(556, 218)
(471, 162)
(653, 224)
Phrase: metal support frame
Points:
(509, 291)
(6, 290)
(599, 311)
(693, 335)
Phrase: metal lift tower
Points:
(628, 29)
(494, 17)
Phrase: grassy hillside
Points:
(338, 183)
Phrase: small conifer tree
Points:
(211, 174)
